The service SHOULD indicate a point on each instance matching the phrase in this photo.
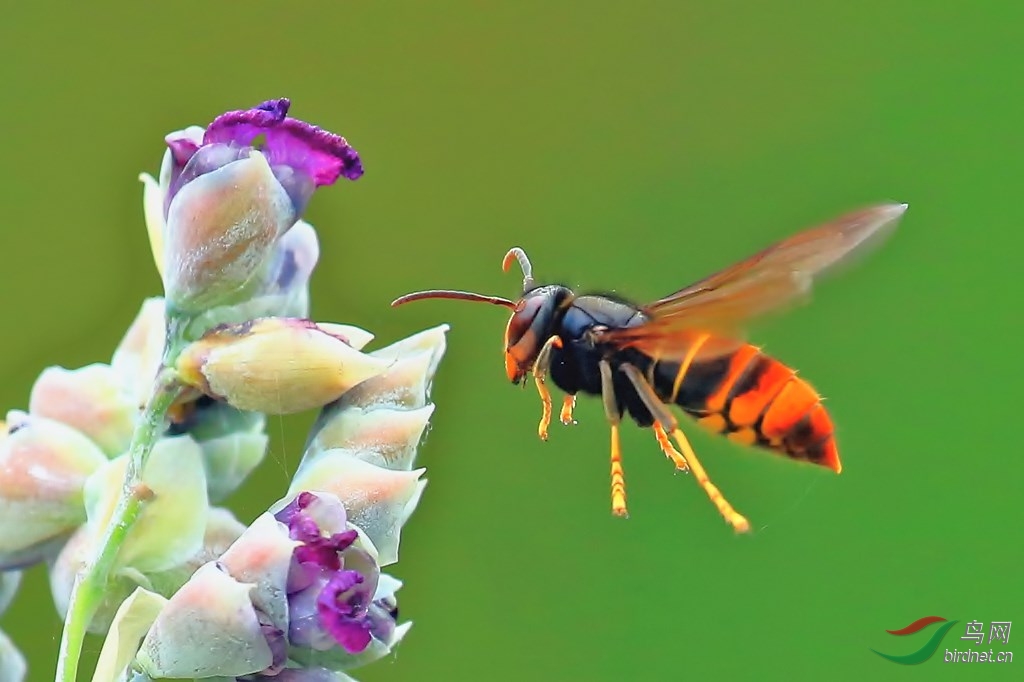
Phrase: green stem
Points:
(89, 587)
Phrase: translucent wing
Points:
(783, 274)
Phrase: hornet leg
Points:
(611, 411)
(540, 370)
(567, 407)
(669, 449)
(668, 422)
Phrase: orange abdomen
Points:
(753, 399)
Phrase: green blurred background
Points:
(630, 147)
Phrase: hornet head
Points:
(535, 315)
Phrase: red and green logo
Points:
(928, 648)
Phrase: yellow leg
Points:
(540, 370)
(734, 518)
(669, 423)
(618, 476)
(567, 407)
(545, 416)
(669, 449)
(611, 411)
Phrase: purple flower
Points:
(302, 156)
(228, 195)
(331, 583)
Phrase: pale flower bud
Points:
(283, 290)
(43, 468)
(208, 628)
(9, 582)
(12, 664)
(431, 340)
(230, 459)
(153, 211)
(221, 203)
(275, 365)
(353, 336)
(382, 420)
(406, 383)
(221, 228)
(137, 358)
(92, 399)
(262, 556)
(171, 526)
(130, 624)
(383, 436)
